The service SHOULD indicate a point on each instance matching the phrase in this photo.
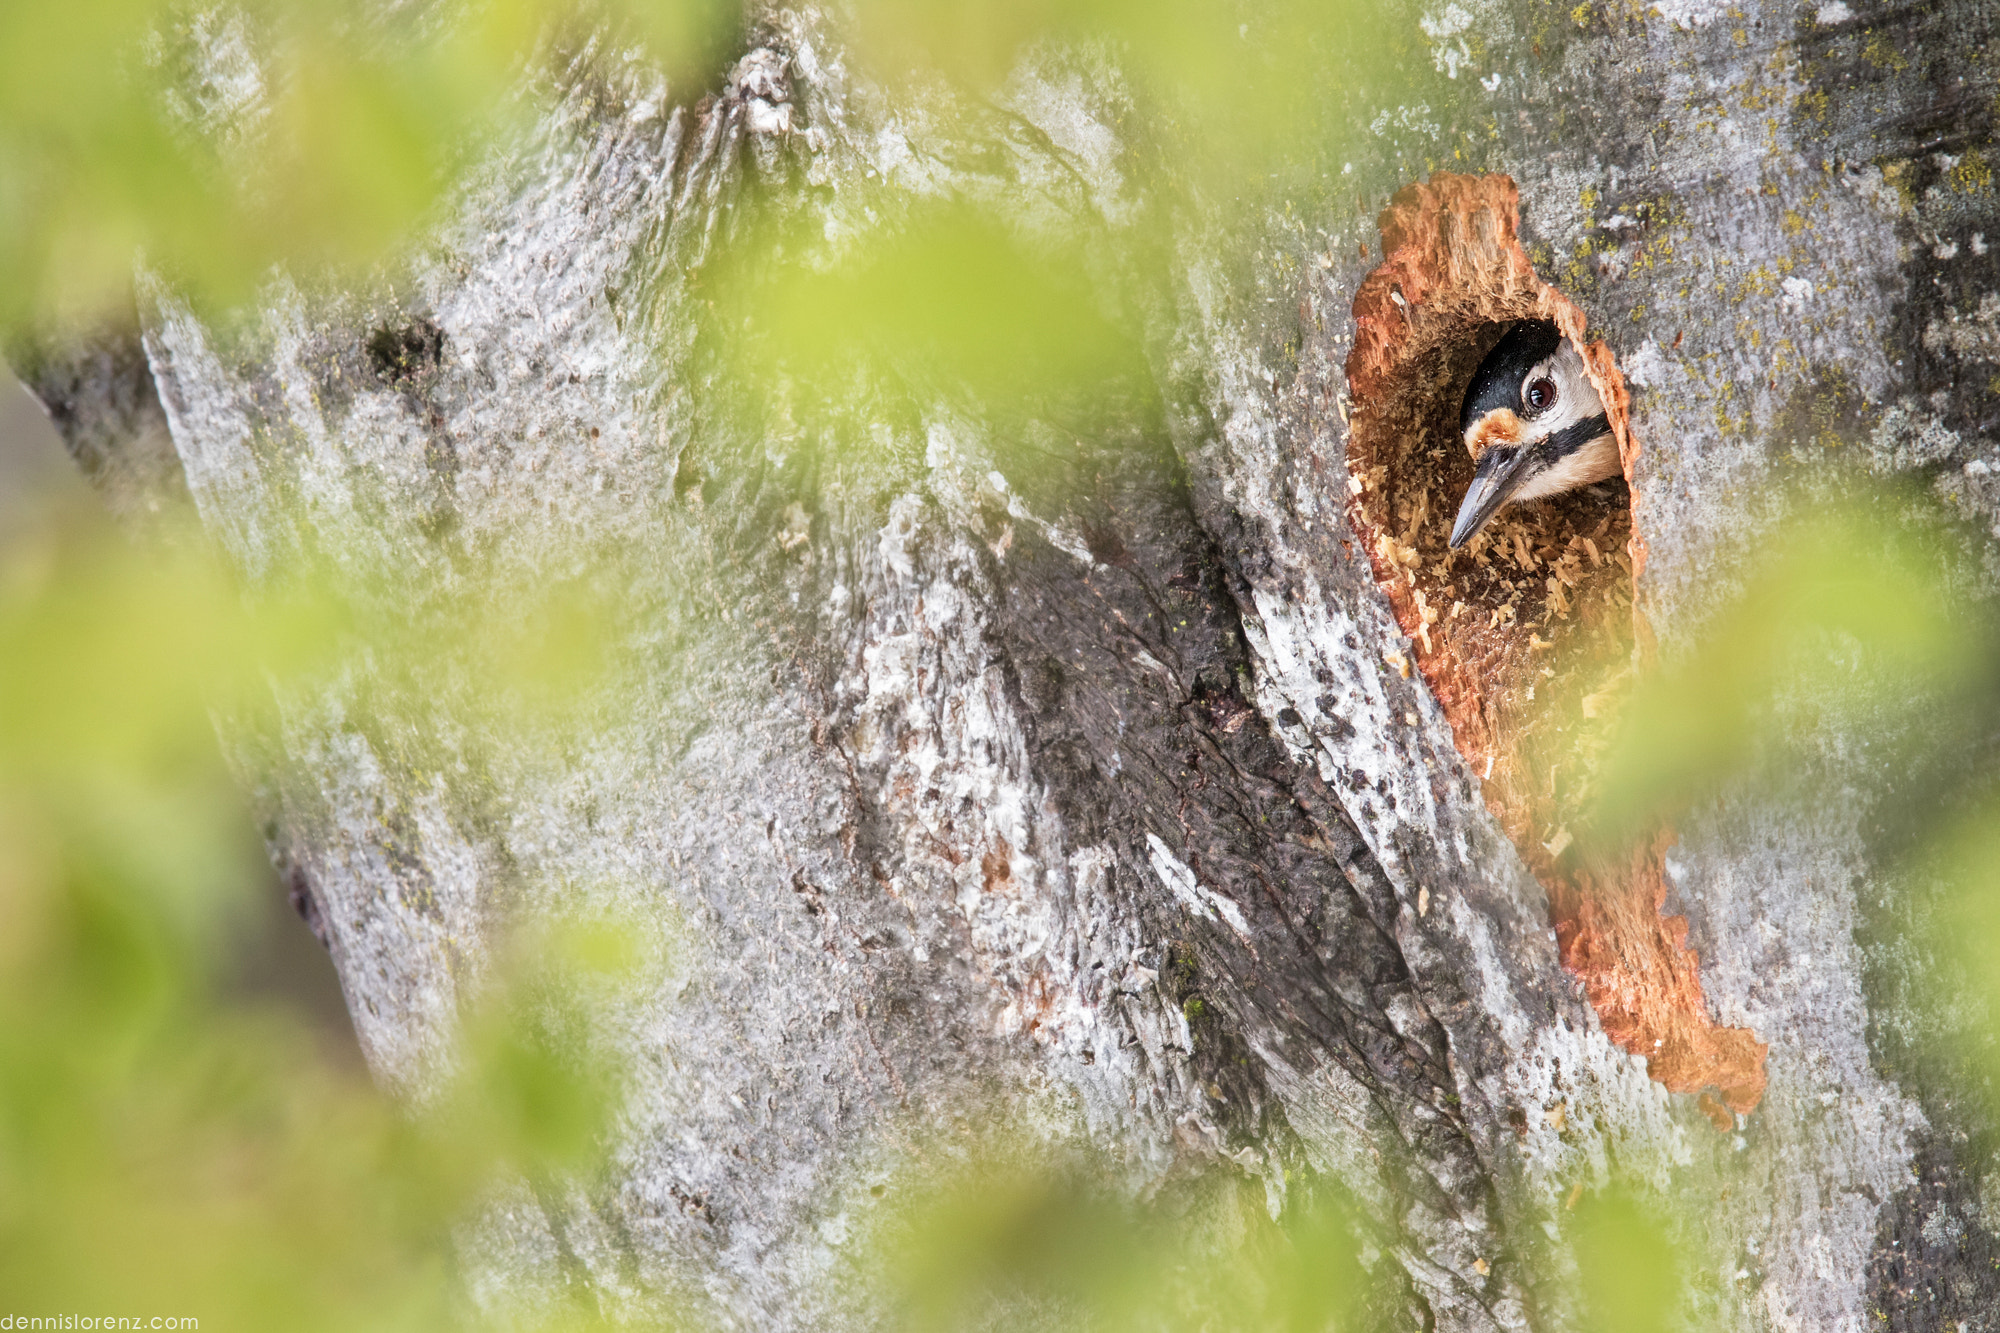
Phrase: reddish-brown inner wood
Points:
(1540, 603)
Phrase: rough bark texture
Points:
(1068, 753)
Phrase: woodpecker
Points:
(1534, 425)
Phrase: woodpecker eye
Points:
(1539, 394)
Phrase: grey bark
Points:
(954, 747)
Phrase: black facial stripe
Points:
(1572, 438)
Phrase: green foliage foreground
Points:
(170, 1148)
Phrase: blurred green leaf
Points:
(213, 143)
(950, 292)
(1241, 84)
(1968, 855)
(536, 1089)
(1845, 615)
(1631, 1270)
(1010, 1241)
(165, 1146)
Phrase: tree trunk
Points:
(1105, 747)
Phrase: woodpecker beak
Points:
(1498, 473)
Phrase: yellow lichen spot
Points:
(1897, 173)
(1740, 37)
(1759, 281)
(1972, 175)
(1883, 54)
(1794, 224)
(1580, 15)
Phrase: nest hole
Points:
(1528, 634)
(1537, 606)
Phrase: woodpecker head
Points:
(1534, 424)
